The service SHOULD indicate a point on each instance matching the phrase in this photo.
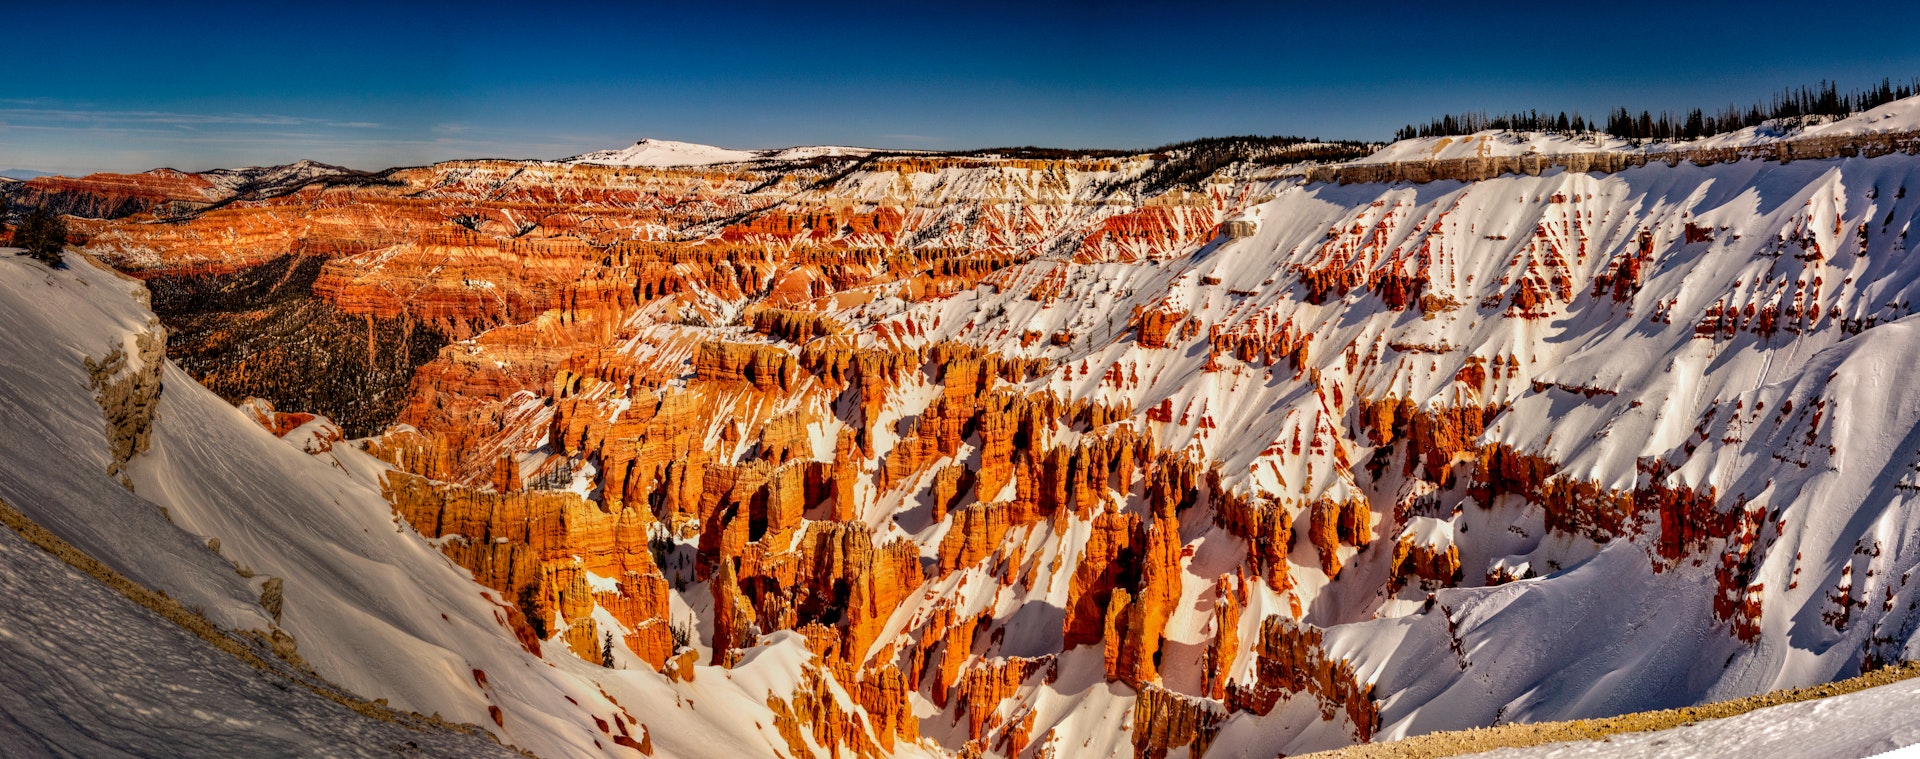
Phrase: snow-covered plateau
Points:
(668, 153)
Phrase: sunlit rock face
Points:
(1018, 445)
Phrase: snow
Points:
(86, 672)
(1897, 116)
(815, 151)
(657, 153)
(1859, 724)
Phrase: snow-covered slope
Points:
(1860, 724)
(86, 672)
(1645, 337)
(1897, 116)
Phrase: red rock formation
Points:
(882, 693)
(813, 710)
(794, 326)
(948, 485)
(1135, 651)
(548, 540)
(1265, 524)
(1688, 519)
(1177, 222)
(1435, 438)
(1108, 551)
(986, 686)
(733, 617)
(1218, 663)
(978, 530)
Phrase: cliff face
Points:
(1005, 438)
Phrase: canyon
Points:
(1026, 453)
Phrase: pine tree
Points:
(606, 651)
(44, 235)
(530, 608)
(1826, 99)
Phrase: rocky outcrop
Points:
(1289, 658)
(1415, 556)
(763, 367)
(1433, 438)
(126, 384)
(460, 284)
(882, 693)
(985, 687)
(814, 711)
(1154, 326)
(1336, 524)
(978, 531)
(1267, 526)
(1533, 164)
(313, 434)
(1164, 720)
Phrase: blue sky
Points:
(97, 86)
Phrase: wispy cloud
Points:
(49, 116)
(141, 117)
(80, 138)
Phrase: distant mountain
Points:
(22, 174)
(660, 153)
(111, 196)
(272, 180)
